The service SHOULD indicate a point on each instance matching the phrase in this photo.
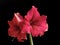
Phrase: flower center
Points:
(33, 23)
(17, 28)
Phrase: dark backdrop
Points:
(7, 9)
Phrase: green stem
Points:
(31, 40)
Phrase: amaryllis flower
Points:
(38, 24)
(33, 23)
(16, 27)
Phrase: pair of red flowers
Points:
(33, 23)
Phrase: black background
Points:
(7, 9)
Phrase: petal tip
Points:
(34, 7)
(17, 16)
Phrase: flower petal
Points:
(25, 27)
(32, 14)
(17, 18)
(35, 31)
(10, 23)
(12, 32)
(36, 14)
(21, 37)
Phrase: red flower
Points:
(16, 27)
(37, 22)
(33, 23)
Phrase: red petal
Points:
(35, 30)
(12, 32)
(15, 19)
(29, 14)
(36, 14)
(10, 23)
(39, 27)
(26, 27)
(43, 22)
(21, 37)
(32, 14)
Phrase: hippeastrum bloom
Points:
(16, 26)
(33, 23)
(37, 23)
